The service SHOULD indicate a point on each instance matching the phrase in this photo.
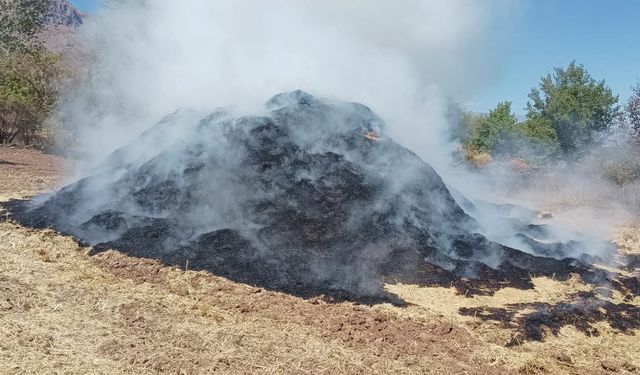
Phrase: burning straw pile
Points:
(310, 197)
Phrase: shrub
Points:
(28, 92)
(495, 132)
(617, 164)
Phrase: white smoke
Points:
(403, 59)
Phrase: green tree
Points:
(29, 84)
(579, 108)
(538, 128)
(29, 75)
(539, 141)
(457, 119)
(632, 111)
(494, 132)
(20, 22)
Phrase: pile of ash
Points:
(309, 198)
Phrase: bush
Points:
(493, 133)
(477, 158)
(28, 92)
(500, 134)
(617, 164)
(632, 111)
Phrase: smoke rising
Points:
(402, 59)
(406, 60)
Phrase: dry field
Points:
(25, 172)
(65, 312)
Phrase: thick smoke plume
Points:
(404, 59)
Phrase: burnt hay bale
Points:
(309, 198)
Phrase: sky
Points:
(603, 35)
(600, 34)
(87, 6)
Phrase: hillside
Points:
(62, 13)
(60, 33)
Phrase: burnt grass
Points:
(300, 201)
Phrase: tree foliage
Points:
(493, 133)
(632, 110)
(577, 107)
(500, 133)
(29, 75)
(20, 22)
(29, 85)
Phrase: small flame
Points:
(372, 136)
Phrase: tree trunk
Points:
(11, 134)
(3, 133)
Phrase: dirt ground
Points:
(25, 172)
(65, 312)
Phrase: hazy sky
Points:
(601, 34)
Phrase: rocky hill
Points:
(62, 13)
(60, 34)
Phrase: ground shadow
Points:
(582, 311)
(6, 162)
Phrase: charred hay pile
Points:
(309, 198)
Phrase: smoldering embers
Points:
(309, 198)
